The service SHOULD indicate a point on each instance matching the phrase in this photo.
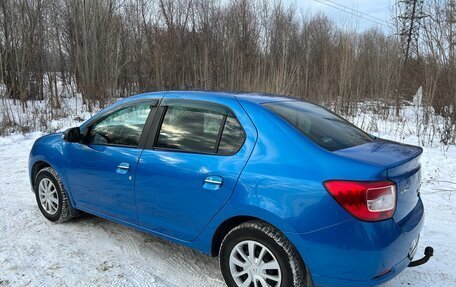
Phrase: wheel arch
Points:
(235, 221)
(226, 226)
(37, 166)
(41, 162)
(223, 229)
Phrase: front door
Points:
(102, 168)
(189, 170)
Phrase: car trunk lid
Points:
(402, 164)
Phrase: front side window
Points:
(201, 130)
(123, 127)
(324, 128)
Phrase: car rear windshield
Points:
(320, 125)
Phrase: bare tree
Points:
(113, 48)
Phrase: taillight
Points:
(365, 200)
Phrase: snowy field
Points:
(90, 251)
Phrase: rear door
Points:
(190, 167)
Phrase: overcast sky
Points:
(380, 9)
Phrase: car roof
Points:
(255, 97)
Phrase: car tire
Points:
(270, 247)
(51, 196)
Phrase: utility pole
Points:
(409, 14)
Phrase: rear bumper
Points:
(356, 253)
(321, 281)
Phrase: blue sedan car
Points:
(285, 192)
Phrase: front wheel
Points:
(255, 254)
(51, 196)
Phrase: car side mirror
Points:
(72, 135)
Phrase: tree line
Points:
(116, 48)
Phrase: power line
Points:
(357, 12)
(354, 12)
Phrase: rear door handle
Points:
(123, 168)
(213, 182)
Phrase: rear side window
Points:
(233, 136)
(321, 126)
(200, 130)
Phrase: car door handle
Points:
(123, 168)
(213, 182)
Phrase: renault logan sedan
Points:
(285, 192)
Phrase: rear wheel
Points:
(51, 196)
(255, 254)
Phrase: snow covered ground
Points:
(90, 251)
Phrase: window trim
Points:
(220, 133)
(160, 116)
(144, 133)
